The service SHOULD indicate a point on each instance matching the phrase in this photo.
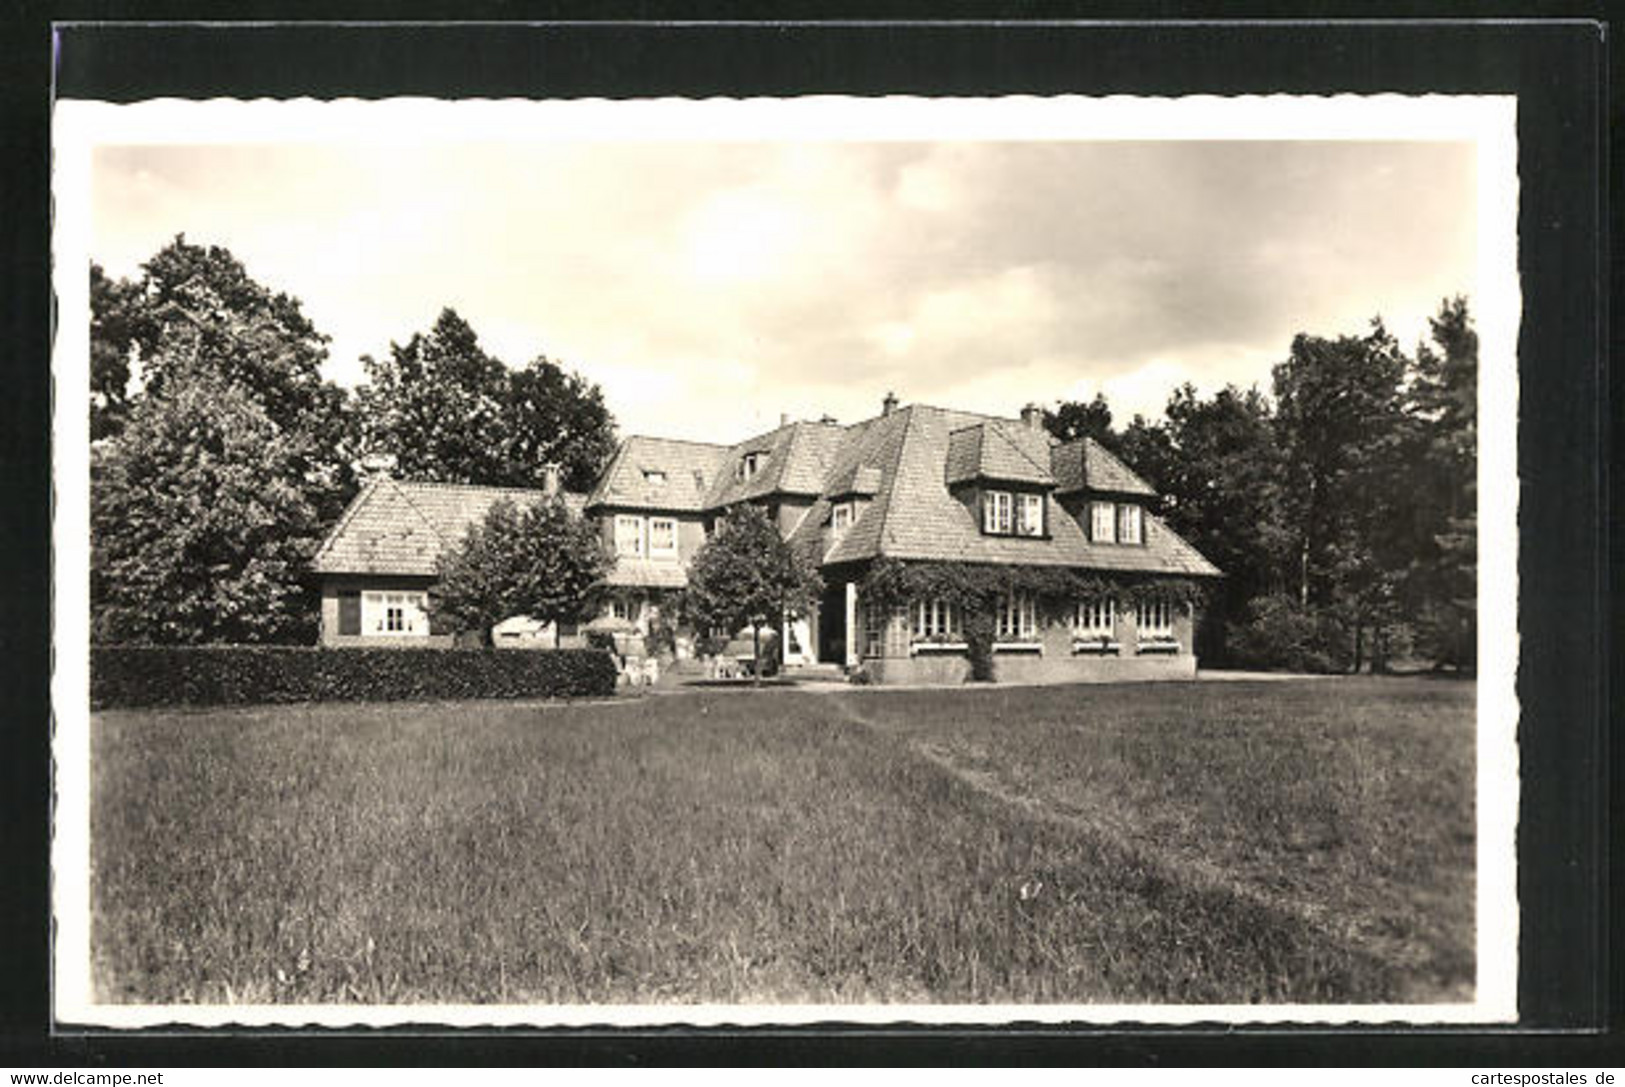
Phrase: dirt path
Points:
(1191, 871)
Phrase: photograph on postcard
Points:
(782, 560)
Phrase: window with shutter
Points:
(350, 613)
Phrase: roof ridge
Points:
(1012, 443)
(896, 472)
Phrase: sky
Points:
(710, 287)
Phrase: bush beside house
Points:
(236, 675)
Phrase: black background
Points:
(1556, 68)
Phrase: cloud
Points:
(709, 286)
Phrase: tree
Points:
(543, 562)
(1217, 469)
(451, 413)
(437, 404)
(115, 325)
(1442, 583)
(747, 575)
(1076, 419)
(556, 417)
(201, 524)
(195, 309)
(1340, 426)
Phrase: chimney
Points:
(888, 405)
(1033, 416)
(550, 480)
(784, 418)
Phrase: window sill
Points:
(1096, 648)
(1164, 648)
(917, 648)
(1019, 647)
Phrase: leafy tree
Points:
(201, 521)
(747, 575)
(451, 413)
(195, 309)
(437, 404)
(115, 325)
(543, 562)
(1339, 422)
(1076, 419)
(556, 417)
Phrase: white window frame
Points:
(391, 613)
(874, 630)
(636, 525)
(936, 619)
(998, 513)
(626, 609)
(1154, 617)
(654, 477)
(662, 552)
(1095, 617)
(841, 517)
(1017, 619)
(750, 464)
(1103, 522)
(1030, 515)
(1130, 516)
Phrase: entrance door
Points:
(832, 625)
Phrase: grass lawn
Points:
(1169, 843)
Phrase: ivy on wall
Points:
(978, 590)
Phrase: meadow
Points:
(1218, 843)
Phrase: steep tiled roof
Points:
(855, 479)
(994, 451)
(1084, 464)
(660, 474)
(400, 528)
(797, 459)
(915, 516)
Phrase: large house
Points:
(914, 483)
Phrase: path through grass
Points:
(792, 847)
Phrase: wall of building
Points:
(1052, 661)
(334, 587)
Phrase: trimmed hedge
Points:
(233, 675)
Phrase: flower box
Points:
(1019, 647)
(1159, 643)
(1098, 647)
(925, 646)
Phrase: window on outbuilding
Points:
(1096, 617)
(935, 619)
(350, 612)
(1154, 617)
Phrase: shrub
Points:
(1279, 632)
(229, 675)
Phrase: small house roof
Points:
(401, 528)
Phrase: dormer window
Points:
(1116, 522)
(750, 464)
(1030, 515)
(1130, 526)
(1103, 522)
(654, 477)
(997, 513)
(840, 517)
(1006, 513)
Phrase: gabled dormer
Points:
(1106, 497)
(849, 495)
(1000, 472)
